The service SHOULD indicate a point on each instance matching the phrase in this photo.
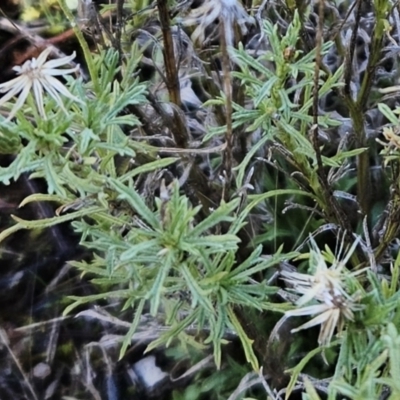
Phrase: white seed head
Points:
(38, 75)
(326, 291)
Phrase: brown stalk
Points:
(348, 65)
(227, 85)
(333, 209)
(200, 189)
(118, 26)
(356, 114)
(172, 79)
(373, 60)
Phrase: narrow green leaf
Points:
(147, 167)
(258, 198)
(174, 331)
(295, 371)
(253, 257)
(247, 343)
(157, 289)
(242, 168)
(388, 113)
(9, 231)
(265, 90)
(217, 331)
(312, 393)
(132, 329)
(119, 148)
(199, 295)
(227, 242)
(347, 154)
(137, 203)
(43, 197)
(392, 341)
(241, 55)
(47, 222)
(52, 178)
(221, 214)
(117, 294)
(140, 247)
(264, 264)
(83, 186)
(394, 283)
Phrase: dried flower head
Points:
(327, 289)
(37, 74)
(391, 147)
(227, 11)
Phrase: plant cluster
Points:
(197, 165)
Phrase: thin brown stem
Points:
(118, 26)
(318, 60)
(227, 85)
(172, 78)
(348, 67)
(375, 55)
(356, 114)
(333, 210)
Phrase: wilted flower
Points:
(227, 11)
(37, 74)
(327, 288)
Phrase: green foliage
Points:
(368, 351)
(165, 257)
(198, 261)
(168, 259)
